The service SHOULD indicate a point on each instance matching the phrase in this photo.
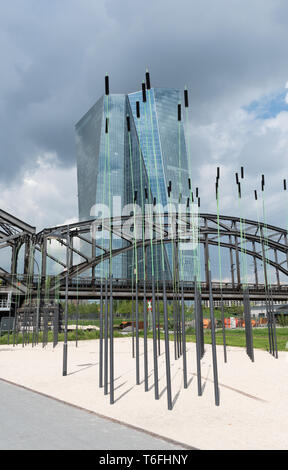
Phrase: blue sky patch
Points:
(268, 106)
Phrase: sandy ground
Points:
(253, 411)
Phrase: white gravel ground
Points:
(253, 411)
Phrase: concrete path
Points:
(31, 421)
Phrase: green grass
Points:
(237, 337)
(233, 337)
(82, 335)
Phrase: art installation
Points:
(153, 253)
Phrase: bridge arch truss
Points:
(264, 243)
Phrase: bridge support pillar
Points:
(14, 259)
(42, 281)
(27, 249)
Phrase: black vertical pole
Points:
(55, 326)
(248, 325)
(174, 321)
(246, 320)
(175, 264)
(106, 340)
(137, 332)
(145, 296)
(198, 340)
(274, 328)
(223, 329)
(15, 322)
(145, 339)
(177, 322)
(214, 354)
(132, 306)
(158, 322)
(201, 324)
(23, 326)
(167, 347)
(183, 337)
(101, 339)
(157, 303)
(77, 307)
(77, 323)
(65, 345)
(156, 385)
(271, 322)
(179, 339)
(268, 322)
(111, 343)
(145, 302)
(9, 322)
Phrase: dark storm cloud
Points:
(54, 56)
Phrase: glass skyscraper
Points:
(112, 161)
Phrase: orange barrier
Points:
(206, 323)
(237, 323)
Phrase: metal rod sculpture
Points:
(158, 285)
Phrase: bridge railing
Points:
(82, 283)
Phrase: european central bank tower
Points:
(115, 160)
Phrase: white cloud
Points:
(235, 140)
(43, 196)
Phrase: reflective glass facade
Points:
(88, 137)
(101, 167)
(162, 141)
(152, 154)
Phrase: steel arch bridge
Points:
(264, 243)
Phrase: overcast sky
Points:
(231, 54)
